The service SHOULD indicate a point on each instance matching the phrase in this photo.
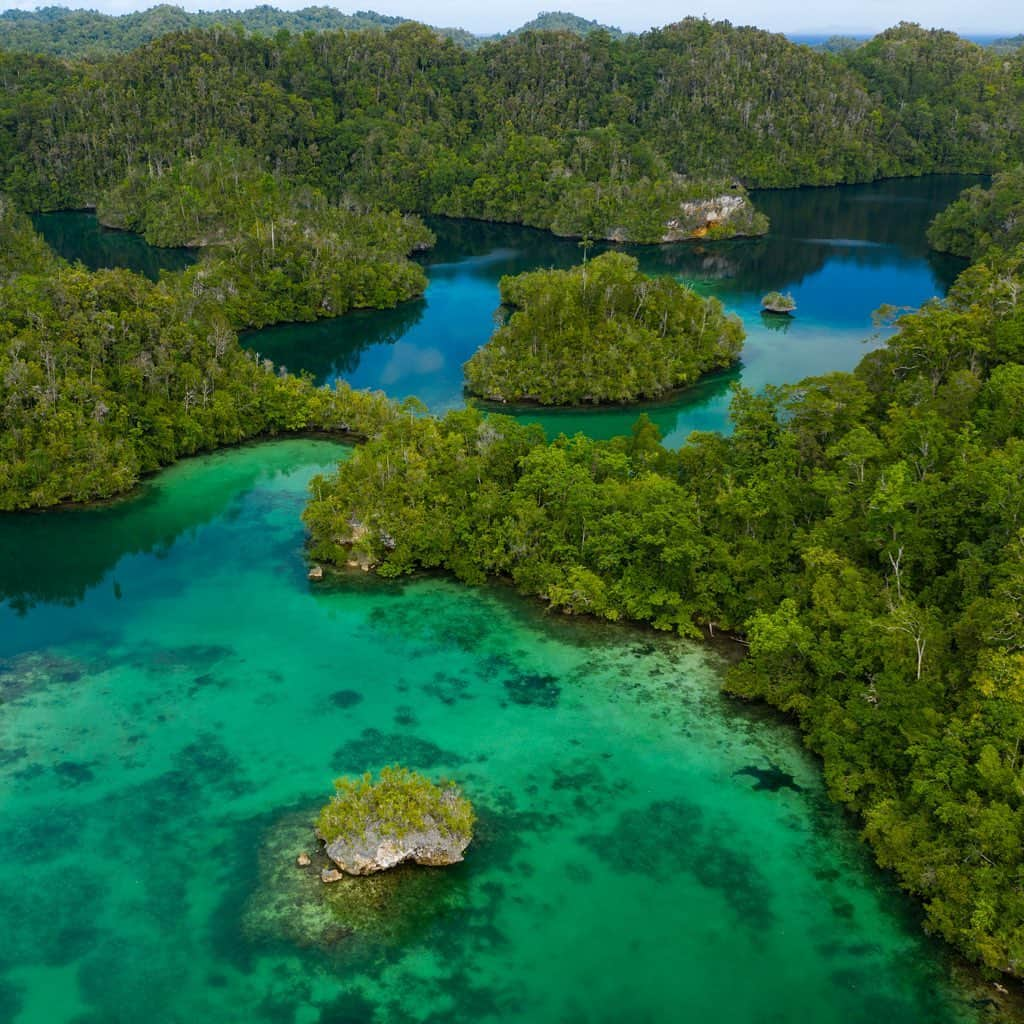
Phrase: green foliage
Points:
(864, 531)
(840, 44)
(777, 302)
(585, 135)
(22, 251)
(1007, 44)
(564, 21)
(76, 33)
(199, 201)
(107, 376)
(399, 802)
(275, 251)
(982, 217)
(948, 104)
(601, 332)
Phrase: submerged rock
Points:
(771, 779)
(392, 907)
(303, 860)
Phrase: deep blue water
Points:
(842, 252)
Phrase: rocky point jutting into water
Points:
(719, 217)
(730, 215)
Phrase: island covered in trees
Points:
(601, 332)
(275, 251)
(776, 302)
(982, 218)
(861, 531)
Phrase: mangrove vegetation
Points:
(105, 376)
(982, 218)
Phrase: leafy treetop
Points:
(601, 332)
(778, 301)
(398, 802)
(982, 218)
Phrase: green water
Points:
(77, 235)
(176, 697)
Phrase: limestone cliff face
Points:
(728, 215)
(371, 852)
(721, 216)
(377, 848)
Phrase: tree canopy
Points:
(862, 531)
(106, 376)
(601, 332)
(399, 801)
(982, 217)
(584, 135)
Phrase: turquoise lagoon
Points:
(176, 697)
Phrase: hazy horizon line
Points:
(118, 9)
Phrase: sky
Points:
(986, 17)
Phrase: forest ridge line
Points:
(66, 31)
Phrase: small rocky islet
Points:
(402, 817)
(778, 304)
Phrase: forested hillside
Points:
(955, 103)
(1008, 44)
(61, 32)
(563, 21)
(22, 251)
(581, 135)
(106, 376)
(862, 530)
(274, 251)
(982, 218)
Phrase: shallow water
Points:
(176, 702)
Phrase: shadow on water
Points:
(332, 348)
(865, 243)
(55, 557)
(843, 251)
(848, 249)
(611, 421)
(78, 236)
